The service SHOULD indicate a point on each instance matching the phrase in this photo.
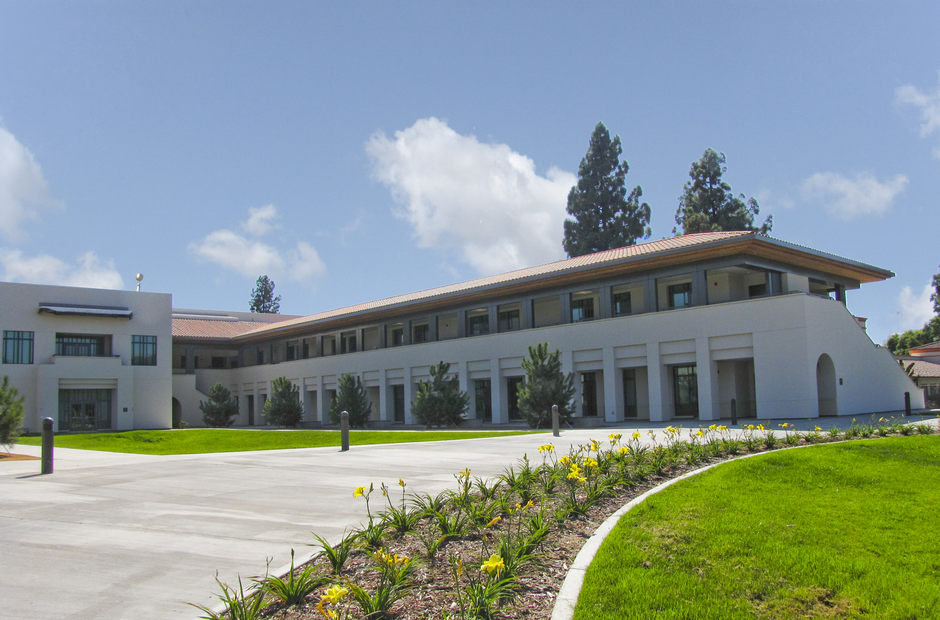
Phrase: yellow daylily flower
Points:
(359, 492)
(547, 448)
(494, 564)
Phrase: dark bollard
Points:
(555, 421)
(48, 445)
(344, 430)
(907, 404)
(734, 412)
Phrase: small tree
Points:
(352, 398)
(221, 409)
(11, 413)
(283, 407)
(262, 297)
(545, 385)
(440, 401)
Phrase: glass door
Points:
(685, 384)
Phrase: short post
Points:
(48, 445)
(555, 421)
(907, 404)
(734, 412)
(344, 430)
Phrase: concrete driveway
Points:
(116, 536)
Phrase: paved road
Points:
(115, 536)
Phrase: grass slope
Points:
(199, 441)
(839, 531)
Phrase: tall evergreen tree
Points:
(707, 203)
(545, 385)
(262, 297)
(604, 216)
(283, 407)
(440, 401)
(221, 409)
(352, 398)
(11, 413)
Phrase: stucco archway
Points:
(826, 386)
(177, 413)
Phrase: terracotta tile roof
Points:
(923, 369)
(652, 247)
(214, 329)
(930, 346)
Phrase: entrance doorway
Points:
(588, 394)
(685, 387)
(483, 399)
(826, 386)
(512, 392)
(84, 410)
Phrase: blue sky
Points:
(353, 151)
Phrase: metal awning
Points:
(107, 312)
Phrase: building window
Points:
(259, 358)
(582, 309)
(398, 398)
(588, 394)
(483, 400)
(396, 335)
(478, 322)
(143, 350)
(80, 346)
(17, 347)
(622, 303)
(348, 342)
(629, 393)
(680, 295)
(757, 290)
(509, 318)
(513, 385)
(685, 387)
(420, 332)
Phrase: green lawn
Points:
(846, 530)
(197, 441)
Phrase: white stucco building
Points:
(668, 330)
(88, 358)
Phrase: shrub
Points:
(221, 409)
(545, 386)
(440, 401)
(284, 408)
(11, 413)
(352, 398)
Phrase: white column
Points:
(385, 414)
(323, 402)
(705, 372)
(308, 401)
(463, 378)
(613, 408)
(409, 389)
(658, 383)
(497, 390)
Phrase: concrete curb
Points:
(567, 598)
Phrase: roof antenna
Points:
(139, 277)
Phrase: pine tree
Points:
(604, 216)
(440, 401)
(352, 398)
(11, 413)
(283, 407)
(545, 385)
(707, 203)
(221, 409)
(262, 297)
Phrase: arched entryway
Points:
(826, 386)
(177, 413)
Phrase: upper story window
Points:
(17, 347)
(259, 357)
(70, 345)
(395, 337)
(582, 306)
(420, 332)
(509, 317)
(478, 322)
(622, 302)
(144, 351)
(680, 295)
(348, 343)
(447, 326)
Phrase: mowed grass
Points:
(847, 530)
(198, 441)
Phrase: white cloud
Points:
(253, 258)
(484, 200)
(928, 104)
(849, 198)
(23, 190)
(88, 271)
(914, 311)
(260, 220)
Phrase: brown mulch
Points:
(433, 594)
(17, 457)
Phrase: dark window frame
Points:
(143, 350)
(18, 347)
